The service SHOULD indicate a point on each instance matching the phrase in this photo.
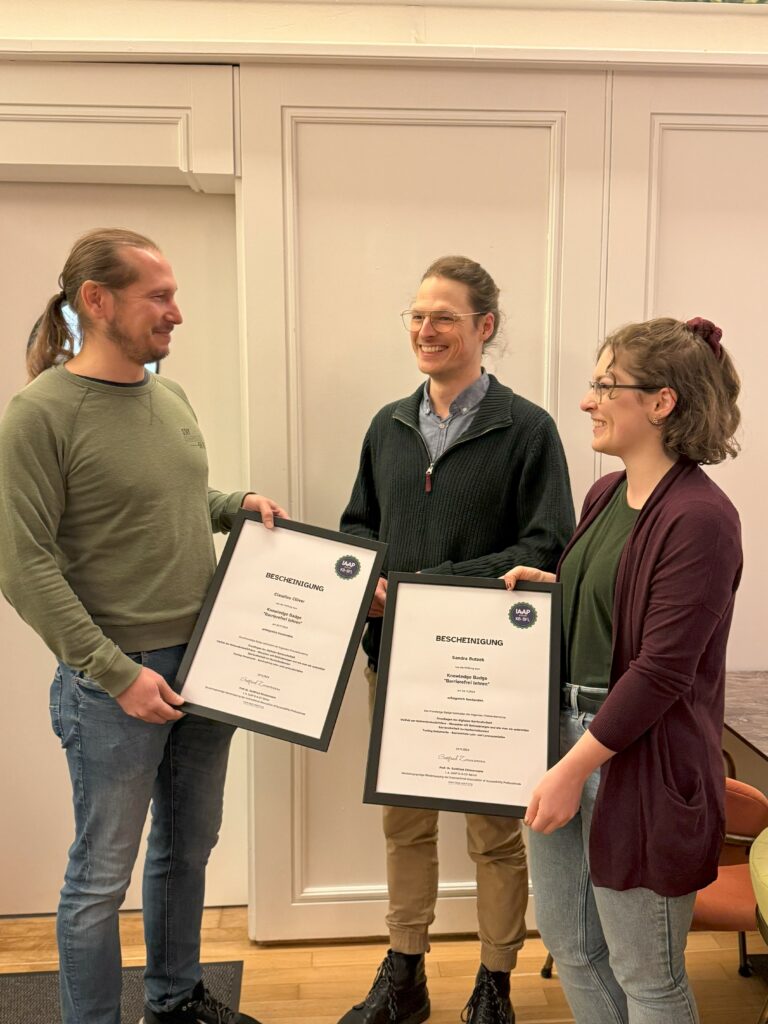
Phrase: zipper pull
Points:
(428, 480)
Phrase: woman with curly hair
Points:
(629, 823)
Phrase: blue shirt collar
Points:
(464, 402)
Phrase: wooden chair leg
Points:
(546, 970)
(745, 968)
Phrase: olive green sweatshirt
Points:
(106, 519)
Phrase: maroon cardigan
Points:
(658, 820)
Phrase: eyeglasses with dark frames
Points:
(442, 320)
(605, 389)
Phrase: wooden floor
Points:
(317, 984)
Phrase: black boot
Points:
(489, 1002)
(398, 994)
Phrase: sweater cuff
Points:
(444, 569)
(233, 505)
(120, 675)
(235, 501)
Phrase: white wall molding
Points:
(74, 125)
(570, 33)
(662, 125)
(611, 6)
(293, 118)
(388, 54)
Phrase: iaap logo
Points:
(347, 567)
(522, 615)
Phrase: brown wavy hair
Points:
(97, 256)
(483, 292)
(667, 353)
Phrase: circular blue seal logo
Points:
(347, 567)
(522, 615)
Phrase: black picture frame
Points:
(321, 742)
(372, 793)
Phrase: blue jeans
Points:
(117, 765)
(620, 955)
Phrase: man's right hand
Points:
(151, 699)
(379, 599)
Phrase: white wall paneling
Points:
(353, 181)
(60, 117)
(119, 124)
(688, 238)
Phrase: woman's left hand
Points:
(528, 574)
(555, 800)
(557, 797)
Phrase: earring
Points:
(657, 422)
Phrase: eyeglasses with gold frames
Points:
(442, 320)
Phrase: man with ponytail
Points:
(106, 520)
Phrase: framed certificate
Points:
(278, 633)
(468, 694)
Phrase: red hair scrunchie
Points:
(708, 332)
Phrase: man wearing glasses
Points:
(463, 477)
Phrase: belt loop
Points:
(573, 697)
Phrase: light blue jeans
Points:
(119, 764)
(620, 955)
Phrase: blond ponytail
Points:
(97, 256)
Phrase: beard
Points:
(138, 350)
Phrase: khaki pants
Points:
(495, 845)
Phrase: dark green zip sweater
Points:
(498, 497)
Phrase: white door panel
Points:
(353, 181)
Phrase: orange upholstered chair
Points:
(728, 904)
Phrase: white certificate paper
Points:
(467, 701)
(277, 636)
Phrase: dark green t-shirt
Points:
(588, 576)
